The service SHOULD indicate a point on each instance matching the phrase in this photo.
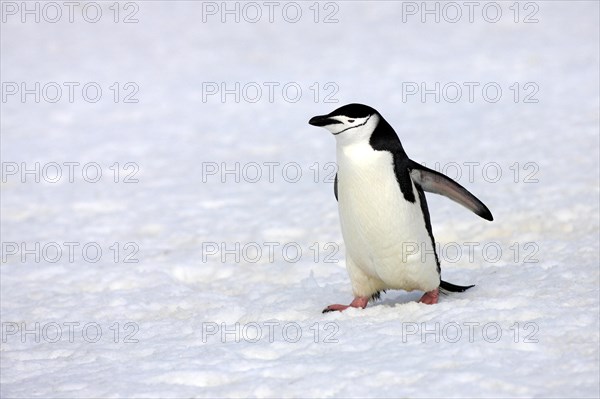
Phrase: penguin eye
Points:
(350, 120)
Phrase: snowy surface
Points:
(530, 327)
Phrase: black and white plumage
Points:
(383, 210)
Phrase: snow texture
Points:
(182, 321)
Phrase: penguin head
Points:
(352, 122)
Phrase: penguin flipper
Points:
(437, 183)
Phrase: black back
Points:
(384, 138)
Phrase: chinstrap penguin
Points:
(383, 211)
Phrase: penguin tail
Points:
(453, 287)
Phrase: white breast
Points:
(385, 235)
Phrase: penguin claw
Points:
(431, 297)
(335, 308)
(358, 302)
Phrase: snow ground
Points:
(181, 322)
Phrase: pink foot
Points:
(431, 297)
(358, 302)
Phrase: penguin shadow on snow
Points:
(395, 298)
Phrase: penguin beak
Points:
(322, 120)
